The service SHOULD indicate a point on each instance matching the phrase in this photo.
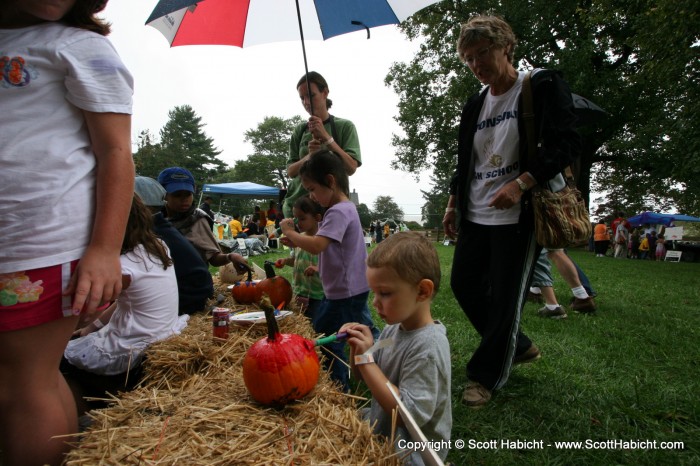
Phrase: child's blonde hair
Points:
(411, 255)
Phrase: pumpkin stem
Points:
(269, 269)
(272, 328)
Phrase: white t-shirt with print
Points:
(49, 73)
(496, 156)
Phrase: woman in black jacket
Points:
(496, 249)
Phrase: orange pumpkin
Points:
(281, 367)
(277, 288)
(246, 292)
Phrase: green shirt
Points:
(308, 286)
(345, 136)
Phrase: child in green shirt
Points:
(306, 281)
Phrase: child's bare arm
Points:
(98, 276)
(313, 244)
(360, 340)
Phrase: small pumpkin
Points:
(281, 367)
(277, 288)
(246, 292)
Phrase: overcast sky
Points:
(233, 89)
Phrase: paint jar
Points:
(220, 322)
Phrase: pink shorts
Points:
(33, 297)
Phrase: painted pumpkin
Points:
(246, 292)
(277, 288)
(280, 368)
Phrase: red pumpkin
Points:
(277, 288)
(246, 292)
(281, 367)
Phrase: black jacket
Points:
(555, 124)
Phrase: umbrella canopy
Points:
(587, 111)
(653, 218)
(243, 23)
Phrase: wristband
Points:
(449, 209)
(365, 358)
(522, 184)
(98, 323)
(329, 141)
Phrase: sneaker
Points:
(585, 306)
(557, 313)
(535, 297)
(532, 354)
(476, 395)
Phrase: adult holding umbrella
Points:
(322, 130)
(496, 248)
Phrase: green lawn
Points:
(631, 372)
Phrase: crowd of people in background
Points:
(628, 242)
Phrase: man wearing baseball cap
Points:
(192, 222)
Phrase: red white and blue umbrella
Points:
(243, 23)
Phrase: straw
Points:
(193, 408)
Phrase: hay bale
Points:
(193, 408)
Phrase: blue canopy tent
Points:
(653, 218)
(244, 189)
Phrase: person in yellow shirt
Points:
(236, 227)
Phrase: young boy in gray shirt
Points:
(412, 352)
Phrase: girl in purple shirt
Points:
(340, 245)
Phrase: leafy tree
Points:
(365, 215)
(184, 143)
(385, 207)
(149, 159)
(268, 163)
(618, 53)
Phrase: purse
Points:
(561, 217)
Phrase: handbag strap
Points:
(529, 120)
(529, 116)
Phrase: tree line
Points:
(183, 142)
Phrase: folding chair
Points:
(242, 248)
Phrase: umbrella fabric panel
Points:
(219, 22)
(273, 21)
(337, 16)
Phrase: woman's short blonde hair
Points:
(411, 255)
(493, 28)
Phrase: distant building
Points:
(354, 197)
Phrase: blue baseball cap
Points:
(176, 179)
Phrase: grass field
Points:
(631, 372)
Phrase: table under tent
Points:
(240, 190)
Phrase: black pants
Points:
(490, 274)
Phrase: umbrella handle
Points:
(360, 23)
(306, 65)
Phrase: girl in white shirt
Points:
(145, 312)
(65, 153)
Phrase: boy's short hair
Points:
(411, 255)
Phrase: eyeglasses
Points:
(480, 55)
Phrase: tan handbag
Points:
(561, 218)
